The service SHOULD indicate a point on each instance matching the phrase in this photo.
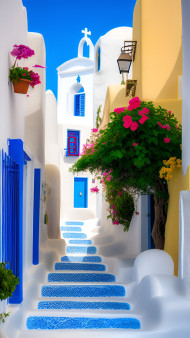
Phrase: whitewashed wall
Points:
(51, 130)
(67, 75)
(110, 45)
(35, 119)
(13, 30)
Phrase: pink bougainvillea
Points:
(116, 222)
(144, 111)
(35, 78)
(166, 139)
(94, 130)
(143, 119)
(38, 66)
(94, 189)
(134, 103)
(127, 121)
(22, 52)
(119, 110)
(166, 126)
(135, 144)
(134, 126)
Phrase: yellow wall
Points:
(157, 27)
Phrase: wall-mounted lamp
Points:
(127, 56)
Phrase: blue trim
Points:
(73, 142)
(80, 186)
(99, 52)
(16, 153)
(79, 104)
(36, 215)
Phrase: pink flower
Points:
(160, 124)
(109, 178)
(134, 126)
(166, 139)
(104, 174)
(115, 212)
(38, 66)
(143, 119)
(127, 121)
(24, 74)
(116, 222)
(25, 68)
(169, 112)
(94, 130)
(144, 111)
(94, 189)
(119, 110)
(103, 182)
(135, 144)
(113, 206)
(168, 127)
(22, 51)
(27, 95)
(120, 193)
(134, 103)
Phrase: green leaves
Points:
(8, 282)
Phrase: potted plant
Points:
(22, 77)
(8, 283)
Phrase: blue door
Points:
(80, 192)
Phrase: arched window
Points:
(79, 103)
(86, 50)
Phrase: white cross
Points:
(86, 32)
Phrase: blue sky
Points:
(61, 21)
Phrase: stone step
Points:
(81, 249)
(81, 259)
(82, 291)
(74, 223)
(75, 229)
(81, 277)
(54, 322)
(73, 235)
(79, 266)
(57, 304)
(80, 241)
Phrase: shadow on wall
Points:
(170, 89)
(53, 201)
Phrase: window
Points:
(79, 103)
(73, 142)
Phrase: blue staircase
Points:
(79, 293)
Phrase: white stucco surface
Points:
(184, 252)
(110, 48)
(13, 28)
(51, 130)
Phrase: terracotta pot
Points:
(21, 86)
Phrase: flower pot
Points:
(21, 86)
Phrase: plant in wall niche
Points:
(8, 283)
(22, 77)
(133, 146)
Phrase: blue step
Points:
(80, 277)
(74, 223)
(53, 323)
(83, 305)
(81, 249)
(73, 235)
(80, 241)
(80, 266)
(82, 291)
(81, 259)
(76, 229)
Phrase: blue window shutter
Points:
(77, 105)
(82, 104)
